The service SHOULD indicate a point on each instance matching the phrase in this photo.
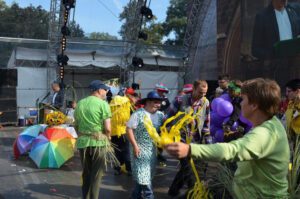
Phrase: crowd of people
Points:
(259, 155)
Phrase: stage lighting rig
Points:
(65, 31)
(69, 4)
(147, 12)
(143, 35)
(62, 59)
(137, 62)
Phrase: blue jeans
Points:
(142, 192)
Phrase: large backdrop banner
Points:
(148, 79)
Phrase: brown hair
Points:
(263, 92)
(223, 77)
(200, 83)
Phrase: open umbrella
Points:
(24, 140)
(52, 148)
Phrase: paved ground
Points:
(22, 179)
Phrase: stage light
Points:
(69, 4)
(66, 17)
(62, 59)
(147, 12)
(63, 43)
(137, 62)
(143, 35)
(61, 72)
(65, 30)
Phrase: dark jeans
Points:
(122, 151)
(93, 163)
(142, 192)
(184, 175)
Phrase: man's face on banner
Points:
(281, 3)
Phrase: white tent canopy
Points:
(103, 56)
(34, 75)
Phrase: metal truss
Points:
(197, 12)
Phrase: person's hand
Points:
(178, 149)
(136, 151)
(108, 137)
(226, 128)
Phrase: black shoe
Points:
(173, 193)
(117, 172)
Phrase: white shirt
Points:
(53, 99)
(133, 121)
(284, 24)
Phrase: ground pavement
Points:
(21, 179)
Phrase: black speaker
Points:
(8, 77)
(8, 100)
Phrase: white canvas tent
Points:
(34, 76)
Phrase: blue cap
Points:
(97, 84)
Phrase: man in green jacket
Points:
(262, 155)
(92, 122)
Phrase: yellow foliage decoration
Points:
(55, 118)
(120, 108)
(199, 191)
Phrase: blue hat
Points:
(153, 95)
(97, 84)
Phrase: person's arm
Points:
(106, 115)
(133, 142)
(206, 125)
(107, 128)
(254, 145)
(258, 41)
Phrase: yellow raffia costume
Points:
(120, 108)
(293, 119)
(199, 191)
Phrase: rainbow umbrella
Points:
(24, 140)
(52, 148)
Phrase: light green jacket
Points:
(262, 157)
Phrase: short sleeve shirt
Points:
(90, 114)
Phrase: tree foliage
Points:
(76, 30)
(102, 36)
(175, 23)
(29, 22)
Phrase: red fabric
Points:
(130, 91)
(16, 150)
(187, 88)
(283, 105)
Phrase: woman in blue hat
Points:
(142, 149)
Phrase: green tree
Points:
(130, 21)
(176, 21)
(29, 22)
(132, 17)
(155, 32)
(102, 36)
(174, 25)
(76, 30)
